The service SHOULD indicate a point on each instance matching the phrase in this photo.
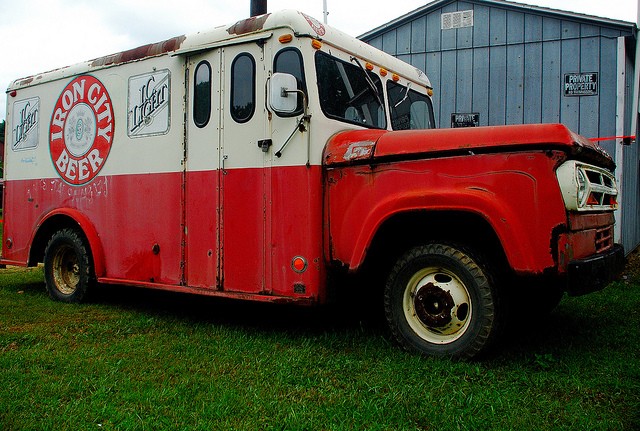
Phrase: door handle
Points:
(264, 144)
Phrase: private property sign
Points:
(581, 84)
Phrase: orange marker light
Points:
(396, 77)
(316, 44)
(383, 72)
(285, 38)
(430, 92)
(369, 66)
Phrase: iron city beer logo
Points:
(81, 130)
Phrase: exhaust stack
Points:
(258, 7)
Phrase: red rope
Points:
(611, 138)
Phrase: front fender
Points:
(522, 204)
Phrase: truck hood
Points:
(371, 146)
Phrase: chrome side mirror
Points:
(283, 93)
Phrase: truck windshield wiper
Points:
(406, 94)
(369, 80)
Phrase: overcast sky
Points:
(41, 35)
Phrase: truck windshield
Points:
(409, 109)
(345, 93)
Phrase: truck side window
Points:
(346, 94)
(409, 109)
(289, 60)
(202, 94)
(243, 88)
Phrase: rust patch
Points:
(22, 82)
(25, 81)
(141, 52)
(249, 25)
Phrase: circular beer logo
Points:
(315, 25)
(81, 130)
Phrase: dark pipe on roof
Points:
(258, 7)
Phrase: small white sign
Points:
(25, 123)
(149, 104)
(451, 20)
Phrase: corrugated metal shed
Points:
(511, 63)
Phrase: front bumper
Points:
(595, 272)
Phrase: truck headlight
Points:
(582, 187)
(586, 187)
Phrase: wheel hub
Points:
(437, 305)
(433, 305)
(66, 270)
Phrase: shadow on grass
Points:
(577, 326)
(255, 316)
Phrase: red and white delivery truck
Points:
(263, 159)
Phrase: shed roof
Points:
(504, 4)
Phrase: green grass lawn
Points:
(144, 360)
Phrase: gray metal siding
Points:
(519, 58)
(631, 174)
(510, 66)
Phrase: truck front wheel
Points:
(67, 266)
(440, 301)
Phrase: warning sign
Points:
(460, 119)
(581, 84)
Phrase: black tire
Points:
(440, 301)
(68, 271)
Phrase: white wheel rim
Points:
(66, 270)
(437, 305)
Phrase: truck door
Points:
(245, 199)
(202, 171)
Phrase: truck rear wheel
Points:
(67, 266)
(440, 301)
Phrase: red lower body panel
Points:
(231, 234)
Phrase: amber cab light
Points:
(316, 44)
(285, 38)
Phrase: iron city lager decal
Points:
(81, 130)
